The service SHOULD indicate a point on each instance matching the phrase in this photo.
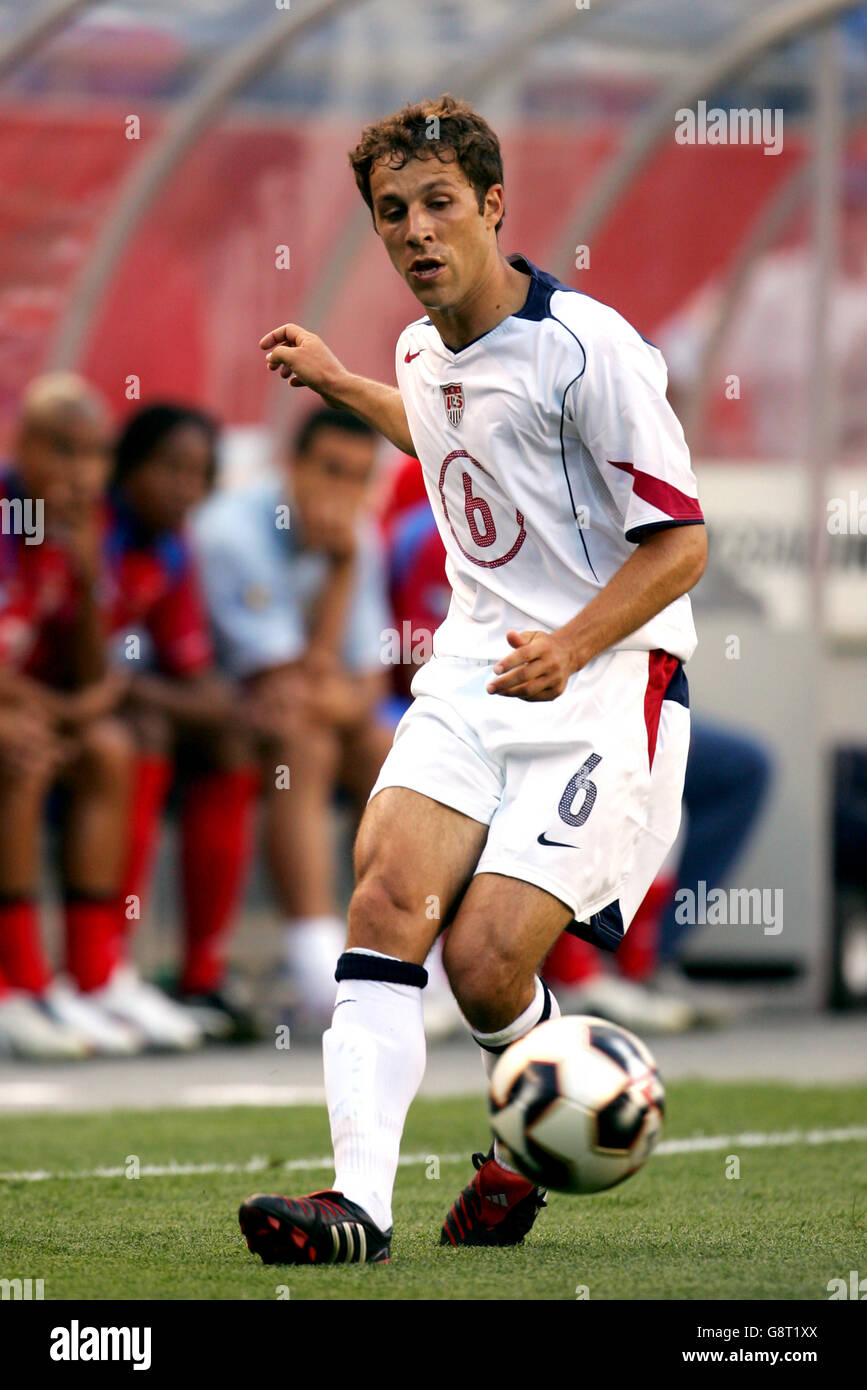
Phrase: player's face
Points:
(330, 483)
(65, 461)
(172, 480)
(428, 217)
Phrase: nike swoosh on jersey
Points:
(543, 840)
(410, 355)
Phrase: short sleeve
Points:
(619, 410)
(257, 624)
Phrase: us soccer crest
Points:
(453, 400)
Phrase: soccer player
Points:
(537, 777)
(185, 716)
(61, 743)
(574, 968)
(295, 586)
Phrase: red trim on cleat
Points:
(324, 1228)
(497, 1208)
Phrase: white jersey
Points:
(549, 450)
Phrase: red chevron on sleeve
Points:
(676, 504)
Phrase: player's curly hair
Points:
(444, 128)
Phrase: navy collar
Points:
(535, 307)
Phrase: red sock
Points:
(216, 841)
(153, 777)
(571, 961)
(637, 953)
(93, 930)
(21, 956)
(5, 987)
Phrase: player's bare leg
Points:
(23, 791)
(27, 1026)
(98, 780)
(299, 854)
(364, 750)
(296, 840)
(502, 932)
(414, 859)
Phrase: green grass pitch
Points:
(795, 1218)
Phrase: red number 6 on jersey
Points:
(478, 509)
(473, 504)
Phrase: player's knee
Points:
(312, 753)
(381, 920)
(23, 783)
(106, 750)
(483, 977)
(151, 731)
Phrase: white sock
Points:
(544, 1006)
(374, 1055)
(311, 947)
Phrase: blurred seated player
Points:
(296, 592)
(420, 593)
(185, 717)
(60, 740)
(728, 777)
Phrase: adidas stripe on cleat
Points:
(322, 1228)
(497, 1208)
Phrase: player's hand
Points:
(279, 703)
(537, 669)
(83, 541)
(303, 359)
(332, 527)
(28, 743)
(94, 701)
(337, 702)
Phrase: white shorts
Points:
(582, 794)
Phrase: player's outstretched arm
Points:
(304, 360)
(662, 567)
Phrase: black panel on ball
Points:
(615, 1045)
(537, 1091)
(620, 1122)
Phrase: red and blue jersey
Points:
(39, 591)
(418, 586)
(153, 593)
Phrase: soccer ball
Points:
(578, 1103)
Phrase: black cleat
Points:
(322, 1228)
(497, 1208)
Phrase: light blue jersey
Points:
(261, 584)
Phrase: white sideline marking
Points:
(704, 1144)
(27, 1095)
(697, 1144)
